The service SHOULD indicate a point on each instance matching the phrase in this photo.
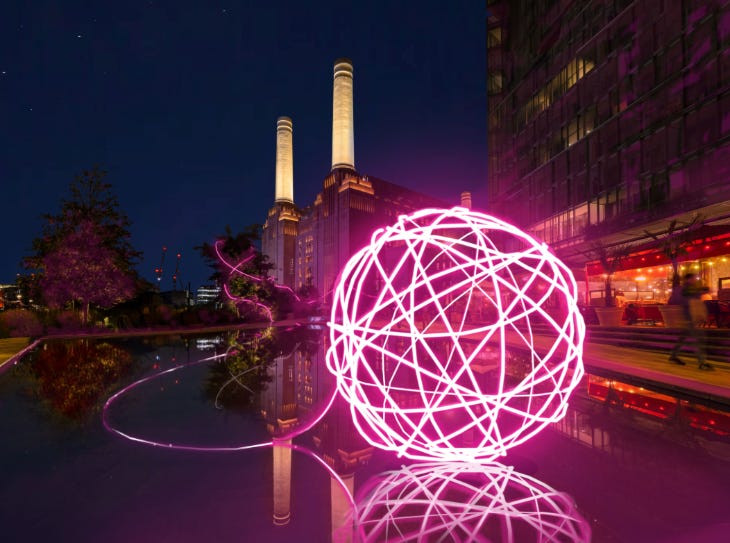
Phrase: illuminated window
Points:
(570, 132)
(494, 37)
(556, 87)
(562, 226)
(495, 81)
(579, 127)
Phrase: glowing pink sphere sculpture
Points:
(454, 336)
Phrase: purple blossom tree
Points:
(81, 270)
(84, 255)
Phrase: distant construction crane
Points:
(177, 273)
(159, 270)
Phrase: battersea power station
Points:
(309, 245)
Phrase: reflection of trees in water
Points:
(72, 377)
(236, 379)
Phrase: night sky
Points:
(178, 101)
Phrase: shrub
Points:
(190, 317)
(208, 316)
(21, 323)
(165, 314)
(69, 321)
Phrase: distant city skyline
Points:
(179, 104)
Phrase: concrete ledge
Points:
(12, 349)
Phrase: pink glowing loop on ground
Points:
(110, 427)
(454, 336)
(492, 503)
(281, 441)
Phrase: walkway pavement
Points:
(653, 369)
(10, 348)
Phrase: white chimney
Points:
(284, 161)
(466, 199)
(343, 136)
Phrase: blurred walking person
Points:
(694, 312)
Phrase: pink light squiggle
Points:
(335, 476)
(424, 502)
(298, 430)
(425, 326)
(167, 445)
(282, 441)
(237, 270)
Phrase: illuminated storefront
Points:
(645, 277)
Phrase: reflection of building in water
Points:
(313, 380)
(298, 384)
(335, 436)
(341, 521)
(282, 482)
(208, 343)
(279, 409)
(339, 442)
(309, 246)
(340, 445)
(656, 405)
(299, 387)
(666, 416)
(278, 399)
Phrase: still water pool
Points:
(184, 453)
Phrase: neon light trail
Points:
(218, 358)
(462, 502)
(236, 270)
(168, 445)
(433, 338)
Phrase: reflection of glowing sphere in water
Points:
(462, 502)
(433, 332)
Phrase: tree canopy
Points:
(80, 268)
(84, 253)
(242, 271)
(240, 268)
